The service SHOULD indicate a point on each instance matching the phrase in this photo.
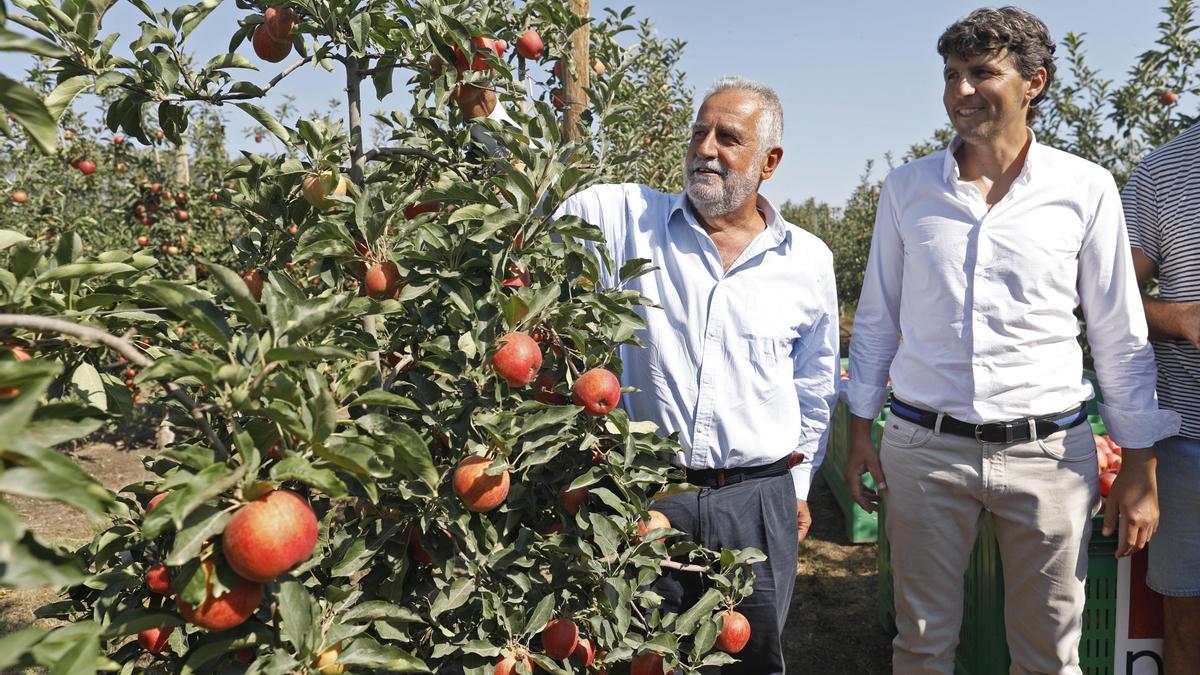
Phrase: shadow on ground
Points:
(833, 625)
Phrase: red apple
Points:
(157, 498)
(158, 579)
(481, 46)
(584, 654)
(20, 196)
(280, 20)
(1106, 481)
(518, 359)
(254, 281)
(413, 210)
(649, 664)
(598, 391)
(479, 491)
(383, 281)
(559, 638)
(735, 632)
(317, 189)
(155, 639)
(507, 663)
(143, 240)
(530, 44)
(1168, 97)
(571, 500)
(474, 101)
(517, 277)
(658, 520)
(268, 48)
(225, 611)
(181, 216)
(543, 389)
(86, 167)
(118, 139)
(598, 67)
(270, 535)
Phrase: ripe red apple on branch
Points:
(383, 281)
(649, 664)
(559, 638)
(518, 359)
(268, 48)
(155, 639)
(223, 612)
(584, 654)
(158, 579)
(735, 632)
(598, 391)
(270, 535)
(507, 663)
(477, 490)
(530, 45)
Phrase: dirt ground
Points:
(832, 628)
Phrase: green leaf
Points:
(30, 112)
(267, 120)
(453, 597)
(365, 651)
(300, 614)
(90, 270)
(379, 610)
(541, 614)
(11, 41)
(86, 381)
(45, 483)
(386, 399)
(703, 607)
(201, 525)
(16, 644)
(10, 237)
(239, 293)
(231, 60)
(60, 99)
(298, 468)
(299, 353)
(190, 305)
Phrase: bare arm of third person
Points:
(1165, 319)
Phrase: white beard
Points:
(717, 195)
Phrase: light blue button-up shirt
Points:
(743, 362)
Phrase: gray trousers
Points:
(759, 512)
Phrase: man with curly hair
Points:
(980, 255)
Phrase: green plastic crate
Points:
(861, 527)
(982, 648)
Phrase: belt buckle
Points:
(979, 437)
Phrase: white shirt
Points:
(971, 310)
(742, 363)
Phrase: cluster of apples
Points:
(266, 537)
(272, 40)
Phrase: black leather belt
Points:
(1016, 431)
(722, 477)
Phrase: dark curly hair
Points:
(1012, 29)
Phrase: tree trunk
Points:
(575, 84)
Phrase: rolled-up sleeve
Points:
(877, 321)
(1121, 351)
(816, 373)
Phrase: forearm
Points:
(1172, 320)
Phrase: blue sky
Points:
(857, 78)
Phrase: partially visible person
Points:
(741, 349)
(980, 255)
(1162, 209)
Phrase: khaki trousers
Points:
(1042, 495)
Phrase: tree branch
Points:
(123, 347)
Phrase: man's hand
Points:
(861, 458)
(1134, 497)
(803, 519)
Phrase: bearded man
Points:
(741, 348)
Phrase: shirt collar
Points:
(950, 162)
(777, 227)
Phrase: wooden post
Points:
(575, 84)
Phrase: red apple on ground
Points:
(270, 535)
(559, 638)
(155, 639)
(268, 48)
(598, 391)
(223, 612)
(318, 188)
(518, 359)
(735, 632)
(383, 281)
(479, 491)
(530, 45)
(158, 579)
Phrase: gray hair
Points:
(770, 123)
